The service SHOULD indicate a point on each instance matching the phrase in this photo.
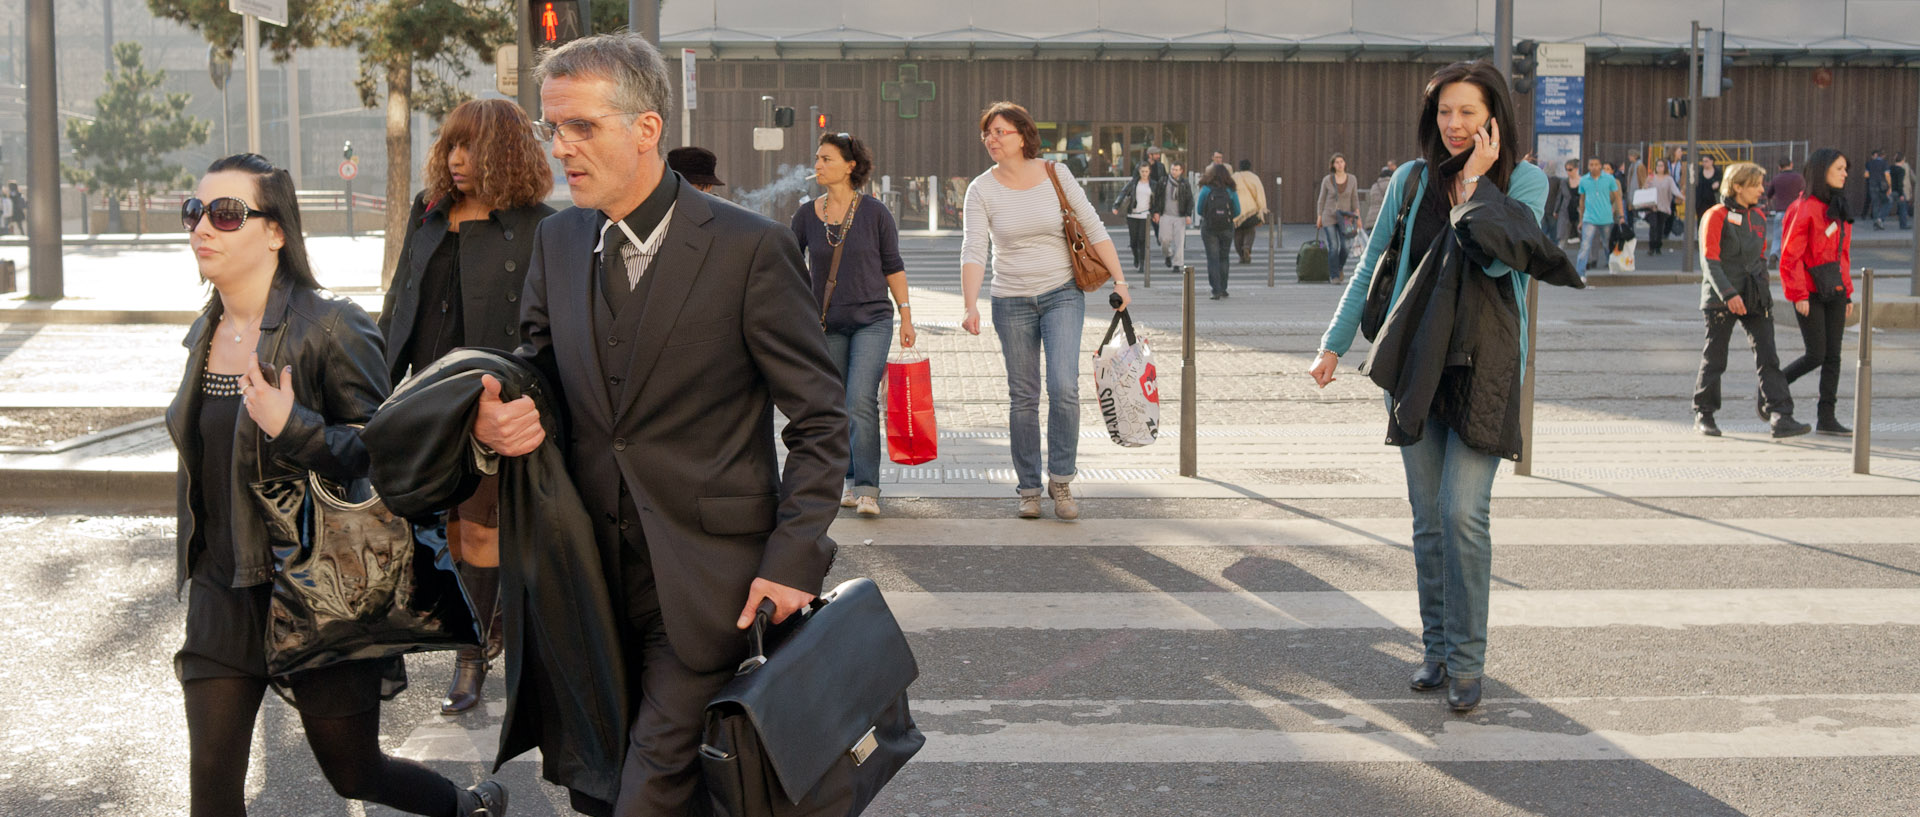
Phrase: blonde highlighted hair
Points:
(1738, 175)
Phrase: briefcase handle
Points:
(757, 634)
(757, 638)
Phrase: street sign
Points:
(270, 11)
(1560, 89)
(688, 79)
(506, 70)
(1559, 105)
(349, 169)
(769, 138)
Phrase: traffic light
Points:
(554, 23)
(820, 121)
(1676, 108)
(347, 152)
(1525, 62)
(1714, 64)
(783, 117)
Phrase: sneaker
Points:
(1064, 505)
(867, 506)
(1783, 425)
(1029, 507)
(847, 499)
(1829, 425)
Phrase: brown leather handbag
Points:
(1088, 273)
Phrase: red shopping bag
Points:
(911, 436)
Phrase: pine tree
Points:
(135, 126)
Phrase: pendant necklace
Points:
(238, 334)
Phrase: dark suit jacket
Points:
(729, 332)
(493, 270)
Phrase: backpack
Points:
(1218, 213)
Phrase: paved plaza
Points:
(1680, 625)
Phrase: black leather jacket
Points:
(1450, 347)
(566, 677)
(339, 378)
(493, 270)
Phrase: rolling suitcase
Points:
(1310, 263)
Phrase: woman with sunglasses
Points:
(853, 249)
(458, 284)
(279, 375)
(1014, 208)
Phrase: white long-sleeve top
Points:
(1023, 226)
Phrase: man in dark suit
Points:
(674, 324)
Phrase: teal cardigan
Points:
(1528, 186)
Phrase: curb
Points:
(121, 490)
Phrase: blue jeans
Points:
(862, 357)
(1592, 235)
(1450, 487)
(1336, 251)
(1025, 325)
(1219, 246)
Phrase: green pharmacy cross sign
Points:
(909, 91)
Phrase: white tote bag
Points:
(1128, 387)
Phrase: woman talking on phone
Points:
(1473, 212)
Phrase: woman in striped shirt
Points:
(1013, 208)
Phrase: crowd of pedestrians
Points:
(640, 341)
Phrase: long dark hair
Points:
(273, 187)
(1493, 89)
(1218, 177)
(1817, 187)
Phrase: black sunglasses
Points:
(228, 213)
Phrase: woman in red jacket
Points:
(1814, 265)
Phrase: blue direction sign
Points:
(1559, 104)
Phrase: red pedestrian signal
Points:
(820, 121)
(553, 23)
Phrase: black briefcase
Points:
(815, 721)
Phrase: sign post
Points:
(689, 100)
(252, 12)
(1559, 118)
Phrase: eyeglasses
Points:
(572, 130)
(996, 133)
(226, 213)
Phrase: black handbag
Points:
(1380, 288)
(815, 721)
(351, 581)
(1829, 285)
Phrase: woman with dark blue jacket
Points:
(1467, 133)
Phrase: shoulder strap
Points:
(833, 267)
(1058, 192)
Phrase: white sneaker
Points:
(846, 499)
(1029, 507)
(867, 505)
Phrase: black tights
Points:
(220, 716)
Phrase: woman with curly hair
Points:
(458, 284)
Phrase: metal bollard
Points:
(1189, 432)
(1863, 380)
(1273, 252)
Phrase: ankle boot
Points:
(1783, 425)
(489, 799)
(470, 666)
(1829, 425)
(469, 675)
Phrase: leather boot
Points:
(1783, 425)
(1431, 676)
(1829, 425)
(470, 665)
(489, 799)
(1464, 694)
(1703, 424)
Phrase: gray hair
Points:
(638, 73)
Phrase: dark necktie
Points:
(613, 270)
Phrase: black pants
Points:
(1657, 228)
(1766, 361)
(1137, 240)
(1821, 330)
(1219, 246)
(1243, 239)
(220, 717)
